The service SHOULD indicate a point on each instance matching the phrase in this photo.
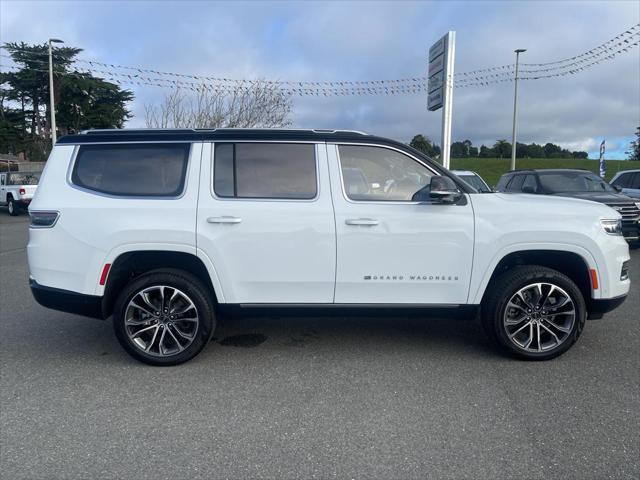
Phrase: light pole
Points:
(53, 106)
(515, 112)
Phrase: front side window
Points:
(515, 185)
(624, 180)
(265, 170)
(136, 170)
(530, 184)
(381, 174)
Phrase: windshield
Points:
(557, 182)
(24, 178)
(476, 182)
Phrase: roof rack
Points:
(158, 131)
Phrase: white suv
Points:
(161, 229)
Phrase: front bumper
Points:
(66, 301)
(631, 230)
(598, 307)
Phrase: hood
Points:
(529, 205)
(602, 197)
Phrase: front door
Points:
(392, 250)
(265, 221)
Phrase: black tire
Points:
(187, 284)
(504, 287)
(12, 207)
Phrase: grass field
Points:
(492, 168)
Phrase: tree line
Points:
(500, 149)
(84, 101)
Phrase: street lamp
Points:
(515, 112)
(53, 106)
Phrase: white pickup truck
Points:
(17, 189)
(163, 229)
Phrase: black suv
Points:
(577, 184)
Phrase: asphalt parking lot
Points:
(310, 397)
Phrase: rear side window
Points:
(265, 170)
(136, 170)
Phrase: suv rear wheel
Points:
(164, 317)
(534, 312)
(12, 207)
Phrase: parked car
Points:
(162, 229)
(473, 179)
(628, 181)
(17, 189)
(575, 183)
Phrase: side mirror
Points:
(528, 189)
(441, 189)
(617, 188)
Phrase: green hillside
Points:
(492, 168)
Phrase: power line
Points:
(480, 75)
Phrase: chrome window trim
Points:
(74, 157)
(379, 202)
(258, 199)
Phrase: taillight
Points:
(43, 219)
(22, 191)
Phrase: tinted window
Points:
(265, 170)
(556, 182)
(635, 183)
(623, 180)
(515, 185)
(132, 170)
(531, 183)
(381, 174)
(502, 183)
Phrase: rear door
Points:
(265, 221)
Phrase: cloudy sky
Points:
(371, 40)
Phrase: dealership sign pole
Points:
(440, 87)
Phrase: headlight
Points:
(612, 227)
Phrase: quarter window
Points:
(381, 174)
(265, 170)
(146, 170)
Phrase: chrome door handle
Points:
(367, 222)
(224, 219)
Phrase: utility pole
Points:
(51, 95)
(515, 112)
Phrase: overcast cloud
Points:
(363, 41)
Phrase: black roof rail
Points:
(164, 131)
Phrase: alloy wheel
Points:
(539, 317)
(161, 320)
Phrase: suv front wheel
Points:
(534, 312)
(164, 317)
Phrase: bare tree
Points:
(261, 104)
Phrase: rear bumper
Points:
(597, 308)
(66, 301)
